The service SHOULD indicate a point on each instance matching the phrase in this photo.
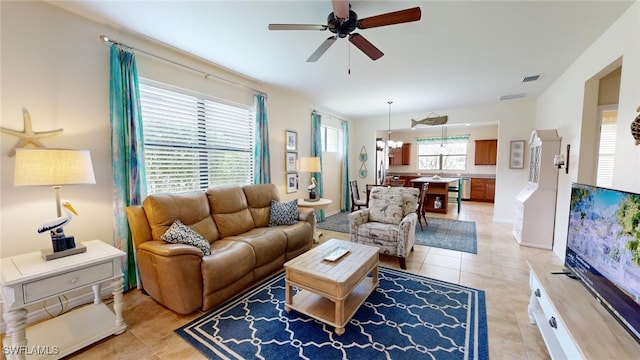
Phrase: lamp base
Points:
(312, 200)
(49, 254)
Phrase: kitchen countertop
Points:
(448, 175)
(430, 179)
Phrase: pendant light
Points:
(392, 144)
(443, 148)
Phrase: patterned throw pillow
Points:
(283, 213)
(180, 233)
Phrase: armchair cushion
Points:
(283, 213)
(386, 208)
(180, 233)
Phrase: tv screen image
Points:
(603, 248)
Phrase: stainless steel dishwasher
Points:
(466, 188)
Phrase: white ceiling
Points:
(460, 53)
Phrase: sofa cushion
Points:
(230, 210)
(180, 233)
(259, 197)
(191, 208)
(283, 213)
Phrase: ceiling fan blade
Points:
(297, 27)
(323, 47)
(340, 8)
(396, 17)
(365, 46)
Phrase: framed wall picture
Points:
(516, 154)
(291, 140)
(292, 157)
(292, 183)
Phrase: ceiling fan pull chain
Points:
(348, 60)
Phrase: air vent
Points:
(512, 96)
(531, 78)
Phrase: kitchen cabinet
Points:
(483, 189)
(400, 156)
(486, 152)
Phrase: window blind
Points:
(431, 158)
(193, 142)
(607, 148)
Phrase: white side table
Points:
(28, 279)
(322, 203)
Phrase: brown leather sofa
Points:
(244, 249)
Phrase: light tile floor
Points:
(500, 269)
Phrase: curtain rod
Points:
(206, 74)
(314, 111)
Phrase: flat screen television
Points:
(603, 249)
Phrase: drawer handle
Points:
(74, 280)
(537, 292)
(553, 322)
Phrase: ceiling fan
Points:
(343, 21)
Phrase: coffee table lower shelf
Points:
(327, 310)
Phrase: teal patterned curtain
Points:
(262, 174)
(345, 203)
(316, 151)
(129, 179)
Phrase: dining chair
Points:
(421, 205)
(356, 202)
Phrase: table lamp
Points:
(55, 167)
(310, 165)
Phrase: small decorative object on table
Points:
(336, 254)
(437, 203)
(62, 245)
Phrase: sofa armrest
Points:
(138, 224)
(359, 217)
(411, 220)
(162, 248)
(307, 214)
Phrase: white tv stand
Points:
(573, 324)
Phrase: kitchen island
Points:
(438, 189)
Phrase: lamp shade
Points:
(35, 167)
(309, 164)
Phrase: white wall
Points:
(515, 121)
(563, 107)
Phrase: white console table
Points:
(28, 279)
(573, 324)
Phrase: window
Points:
(607, 147)
(194, 142)
(330, 138)
(431, 157)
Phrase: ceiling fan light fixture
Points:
(343, 25)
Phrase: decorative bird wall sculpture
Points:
(59, 240)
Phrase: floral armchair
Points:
(389, 222)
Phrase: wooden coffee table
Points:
(331, 291)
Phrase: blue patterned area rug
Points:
(442, 233)
(449, 234)
(407, 317)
